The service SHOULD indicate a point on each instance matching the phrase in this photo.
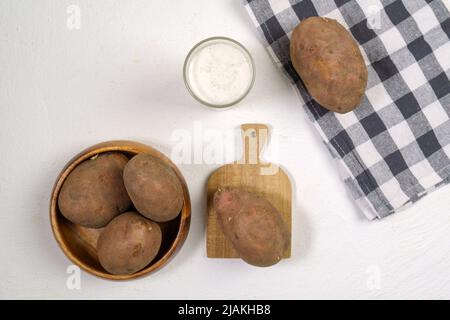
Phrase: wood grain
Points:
(79, 243)
(252, 174)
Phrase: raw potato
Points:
(330, 63)
(128, 244)
(253, 226)
(94, 193)
(153, 187)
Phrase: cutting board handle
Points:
(254, 139)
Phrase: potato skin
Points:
(128, 243)
(330, 63)
(253, 226)
(94, 193)
(154, 188)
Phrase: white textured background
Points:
(119, 77)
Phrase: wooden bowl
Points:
(79, 243)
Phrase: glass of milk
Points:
(219, 72)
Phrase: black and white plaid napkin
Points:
(394, 148)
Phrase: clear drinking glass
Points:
(210, 65)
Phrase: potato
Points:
(253, 226)
(128, 243)
(94, 193)
(154, 188)
(330, 63)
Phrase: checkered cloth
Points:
(394, 148)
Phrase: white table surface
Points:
(119, 77)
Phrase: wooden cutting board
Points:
(250, 173)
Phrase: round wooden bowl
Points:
(79, 243)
